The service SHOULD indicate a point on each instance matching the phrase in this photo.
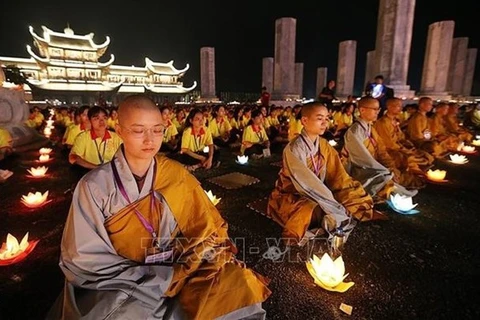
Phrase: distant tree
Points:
(14, 75)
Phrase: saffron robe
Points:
(402, 151)
(447, 141)
(367, 161)
(299, 189)
(103, 248)
(420, 133)
(452, 126)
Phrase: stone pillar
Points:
(370, 68)
(347, 53)
(437, 60)
(321, 80)
(207, 73)
(284, 71)
(299, 79)
(469, 72)
(267, 73)
(394, 37)
(458, 60)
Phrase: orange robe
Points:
(420, 133)
(452, 126)
(439, 132)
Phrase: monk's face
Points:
(317, 121)
(394, 108)
(426, 105)
(142, 132)
(370, 111)
(442, 111)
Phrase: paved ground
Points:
(423, 266)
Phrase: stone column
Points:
(284, 71)
(207, 73)
(267, 73)
(394, 37)
(321, 80)
(469, 72)
(370, 68)
(458, 60)
(437, 60)
(347, 52)
(299, 79)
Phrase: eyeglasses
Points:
(157, 131)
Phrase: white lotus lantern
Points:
(206, 149)
(476, 142)
(12, 252)
(332, 142)
(47, 130)
(44, 158)
(329, 274)
(35, 200)
(242, 159)
(37, 172)
(49, 122)
(45, 150)
(212, 197)
(468, 149)
(458, 159)
(402, 203)
(477, 137)
(436, 175)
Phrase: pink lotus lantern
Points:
(38, 172)
(12, 252)
(35, 200)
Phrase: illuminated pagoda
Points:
(66, 65)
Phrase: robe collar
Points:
(312, 146)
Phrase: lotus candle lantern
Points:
(206, 149)
(402, 204)
(12, 252)
(332, 142)
(38, 172)
(49, 123)
(477, 137)
(44, 158)
(329, 274)
(47, 130)
(35, 200)
(468, 149)
(242, 160)
(212, 197)
(476, 142)
(436, 175)
(458, 159)
(45, 150)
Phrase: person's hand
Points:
(202, 159)
(208, 163)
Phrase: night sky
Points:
(242, 33)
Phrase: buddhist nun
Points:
(143, 241)
(313, 192)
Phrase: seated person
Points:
(255, 138)
(81, 124)
(170, 140)
(295, 125)
(112, 119)
(452, 124)
(197, 143)
(96, 146)
(38, 117)
(6, 143)
(419, 130)
(402, 151)
(344, 119)
(447, 141)
(368, 161)
(179, 120)
(313, 190)
(220, 127)
(143, 241)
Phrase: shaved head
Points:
(133, 103)
(367, 102)
(309, 108)
(393, 102)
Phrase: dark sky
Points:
(242, 32)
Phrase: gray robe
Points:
(100, 284)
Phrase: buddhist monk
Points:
(446, 140)
(313, 190)
(402, 151)
(367, 159)
(419, 129)
(143, 241)
(452, 124)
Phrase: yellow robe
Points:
(292, 209)
(418, 129)
(400, 149)
(452, 126)
(446, 140)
